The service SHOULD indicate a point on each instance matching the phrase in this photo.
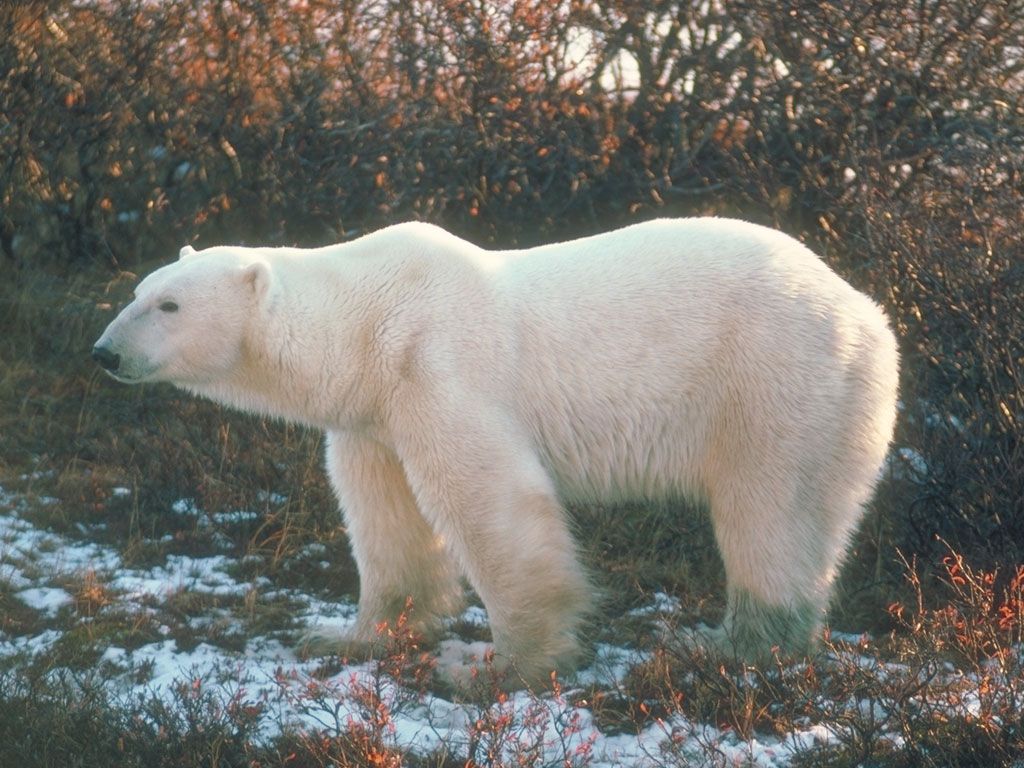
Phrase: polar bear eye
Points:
(168, 306)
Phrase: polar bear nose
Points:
(106, 358)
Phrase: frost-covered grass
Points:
(188, 660)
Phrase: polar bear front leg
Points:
(397, 552)
(485, 491)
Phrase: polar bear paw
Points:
(477, 671)
(728, 644)
(464, 666)
(701, 640)
(345, 643)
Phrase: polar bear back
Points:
(640, 351)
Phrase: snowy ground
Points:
(261, 669)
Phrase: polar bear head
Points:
(188, 321)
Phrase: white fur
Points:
(467, 394)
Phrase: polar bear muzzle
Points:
(109, 360)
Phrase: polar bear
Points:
(467, 395)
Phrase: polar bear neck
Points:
(339, 326)
(293, 363)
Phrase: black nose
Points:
(106, 358)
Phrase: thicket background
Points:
(887, 136)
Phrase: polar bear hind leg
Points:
(783, 518)
(782, 531)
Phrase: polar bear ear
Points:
(188, 250)
(257, 276)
